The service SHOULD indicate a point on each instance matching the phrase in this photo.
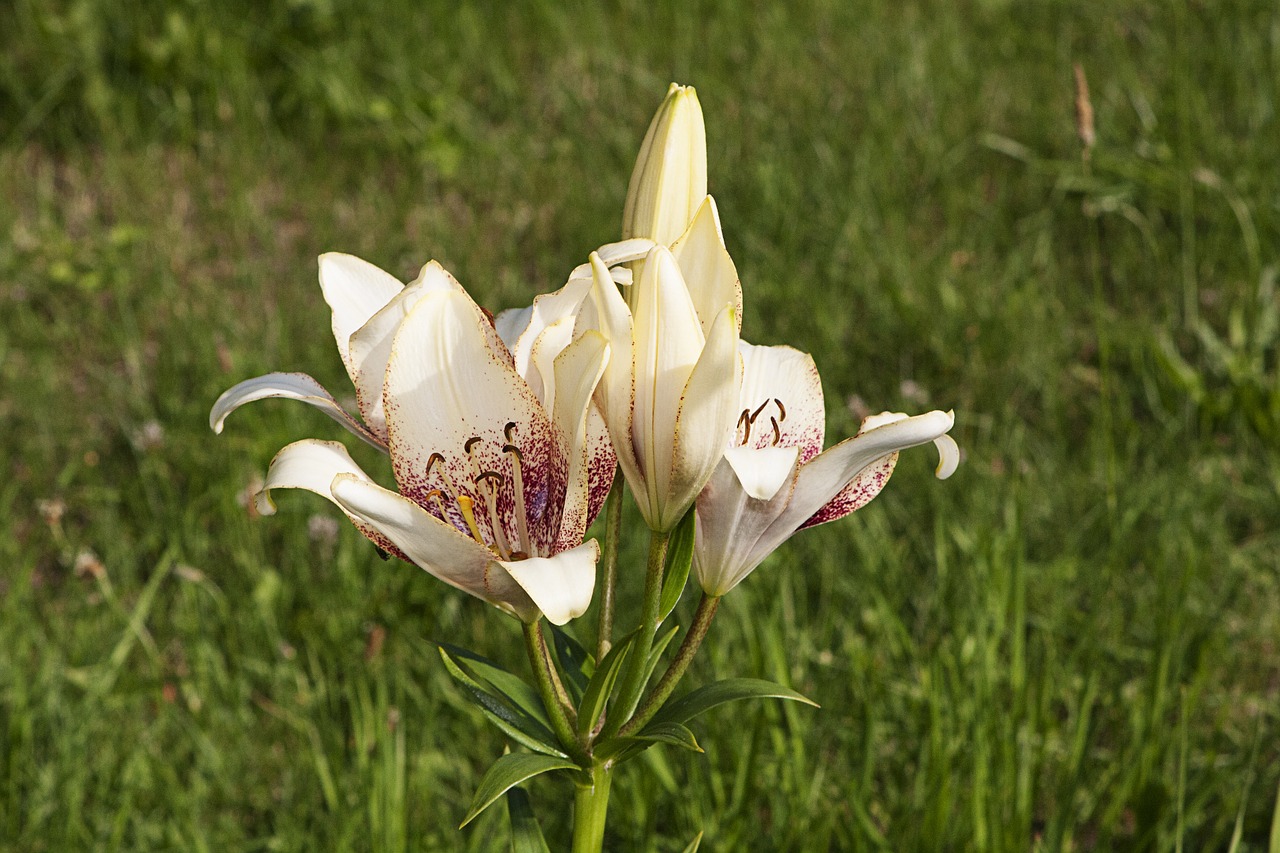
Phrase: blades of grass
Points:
(526, 834)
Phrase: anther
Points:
(782, 410)
(508, 429)
(758, 410)
(744, 421)
(488, 475)
(777, 433)
(471, 442)
(511, 448)
(435, 457)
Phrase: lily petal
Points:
(311, 464)
(785, 381)
(356, 290)
(370, 345)
(948, 456)
(730, 527)
(762, 471)
(289, 386)
(433, 545)
(707, 267)
(669, 342)
(578, 369)
(826, 476)
(450, 396)
(607, 312)
(704, 421)
(561, 586)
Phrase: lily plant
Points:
(507, 435)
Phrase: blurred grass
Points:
(1071, 645)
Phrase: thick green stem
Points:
(637, 658)
(692, 640)
(590, 806)
(609, 565)
(547, 679)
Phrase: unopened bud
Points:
(669, 182)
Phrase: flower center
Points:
(747, 422)
(487, 484)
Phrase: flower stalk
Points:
(547, 680)
(634, 675)
(590, 808)
(609, 566)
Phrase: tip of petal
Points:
(948, 455)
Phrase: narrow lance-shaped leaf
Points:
(513, 721)
(718, 693)
(655, 654)
(597, 693)
(503, 682)
(625, 748)
(507, 772)
(679, 559)
(526, 834)
(576, 664)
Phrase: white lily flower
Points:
(498, 470)
(669, 182)
(775, 479)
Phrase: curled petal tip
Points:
(948, 456)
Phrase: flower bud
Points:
(669, 182)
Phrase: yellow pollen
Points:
(465, 504)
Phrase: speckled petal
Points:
(449, 392)
(578, 369)
(453, 557)
(370, 346)
(781, 387)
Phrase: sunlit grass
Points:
(1034, 653)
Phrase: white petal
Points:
(547, 309)
(704, 422)
(669, 342)
(729, 529)
(312, 465)
(561, 586)
(780, 385)
(541, 374)
(762, 471)
(578, 369)
(827, 474)
(433, 545)
(708, 270)
(445, 386)
(370, 345)
(289, 386)
(607, 312)
(511, 323)
(355, 290)
(948, 456)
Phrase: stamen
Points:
(471, 442)
(468, 513)
(744, 421)
(758, 410)
(782, 410)
(777, 433)
(499, 535)
(508, 429)
(448, 481)
(517, 487)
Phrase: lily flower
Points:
(498, 471)
(774, 479)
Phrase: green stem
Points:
(609, 565)
(692, 640)
(546, 678)
(638, 657)
(590, 806)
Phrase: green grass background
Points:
(1070, 645)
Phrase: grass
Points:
(1071, 645)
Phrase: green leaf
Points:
(625, 748)
(679, 558)
(504, 713)
(694, 844)
(575, 662)
(508, 771)
(526, 834)
(500, 681)
(596, 696)
(731, 689)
